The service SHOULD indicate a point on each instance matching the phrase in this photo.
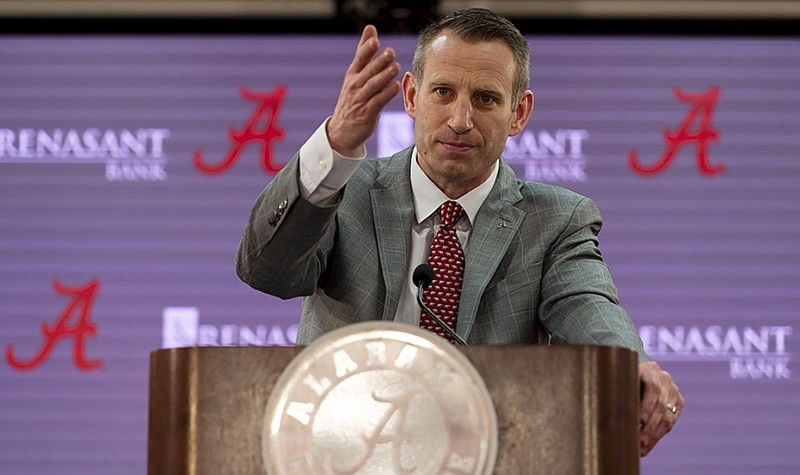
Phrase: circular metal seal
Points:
(379, 398)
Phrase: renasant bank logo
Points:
(128, 155)
(752, 352)
(181, 328)
(544, 155)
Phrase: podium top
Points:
(560, 409)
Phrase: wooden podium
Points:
(560, 409)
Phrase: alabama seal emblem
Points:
(380, 398)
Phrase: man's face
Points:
(463, 111)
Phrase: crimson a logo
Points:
(78, 310)
(260, 128)
(694, 130)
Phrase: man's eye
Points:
(441, 91)
(485, 99)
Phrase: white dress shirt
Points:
(324, 172)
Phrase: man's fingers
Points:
(378, 71)
(375, 85)
(368, 32)
(651, 393)
(648, 435)
(662, 419)
(380, 62)
(368, 45)
(660, 395)
(370, 83)
(660, 423)
(651, 427)
(377, 82)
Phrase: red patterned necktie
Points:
(447, 259)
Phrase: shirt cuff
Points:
(323, 171)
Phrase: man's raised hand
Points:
(369, 84)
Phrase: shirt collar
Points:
(428, 197)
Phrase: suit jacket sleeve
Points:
(579, 303)
(287, 240)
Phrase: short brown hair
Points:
(479, 25)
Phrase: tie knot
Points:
(450, 211)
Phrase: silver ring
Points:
(672, 407)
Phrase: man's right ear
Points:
(410, 94)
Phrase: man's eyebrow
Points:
(438, 82)
(490, 91)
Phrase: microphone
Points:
(422, 277)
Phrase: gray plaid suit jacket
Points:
(533, 261)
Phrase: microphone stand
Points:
(436, 319)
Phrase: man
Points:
(347, 232)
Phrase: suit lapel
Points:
(494, 228)
(393, 211)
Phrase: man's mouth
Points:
(457, 147)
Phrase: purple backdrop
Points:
(114, 241)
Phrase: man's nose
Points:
(461, 116)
